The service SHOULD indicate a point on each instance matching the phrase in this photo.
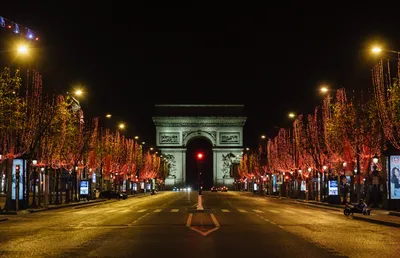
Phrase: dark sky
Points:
(269, 58)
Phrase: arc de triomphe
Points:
(221, 125)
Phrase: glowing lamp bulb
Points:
(200, 156)
(22, 49)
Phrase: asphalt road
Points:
(168, 225)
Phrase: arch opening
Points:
(199, 170)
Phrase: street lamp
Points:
(375, 159)
(377, 50)
(263, 137)
(324, 89)
(108, 115)
(292, 115)
(78, 92)
(121, 126)
(22, 49)
(136, 137)
(34, 163)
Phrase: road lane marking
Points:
(174, 210)
(214, 219)
(289, 211)
(225, 210)
(138, 219)
(189, 221)
(273, 211)
(258, 211)
(143, 210)
(244, 211)
(158, 210)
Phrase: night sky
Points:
(270, 58)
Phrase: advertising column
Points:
(394, 181)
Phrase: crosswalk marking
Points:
(258, 211)
(242, 210)
(174, 210)
(225, 210)
(158, 210)
(273, 211)
(143, 210)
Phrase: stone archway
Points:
(173, 132)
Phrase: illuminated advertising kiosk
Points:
(393, 179)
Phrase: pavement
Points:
(232, 224)
(80, 204)
(378, 216)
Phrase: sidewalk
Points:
(54, 207)
(378, 216)
(84, 204)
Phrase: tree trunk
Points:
(56, 187)
(358, 185)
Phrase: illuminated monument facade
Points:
(221, 125)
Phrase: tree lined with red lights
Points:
(53, 131)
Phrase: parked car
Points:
(113, 194)
(224, 189)
(213, 189)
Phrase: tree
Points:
(11, 119)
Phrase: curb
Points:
(66, 206)
(391, 213)
(379, 222)
(3, 219)
(95, 204)
(310, 204)
(320, 206)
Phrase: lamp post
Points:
(41, 186)
(200, 157)
(375, 181)
(345, 184)
(17, 172)
(46, 187)
(34, 164)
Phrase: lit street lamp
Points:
(78, 92)
(34, 164)
(375, 159)
(22, 49)
(292, 115)
(377, 50)
(324, 89)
